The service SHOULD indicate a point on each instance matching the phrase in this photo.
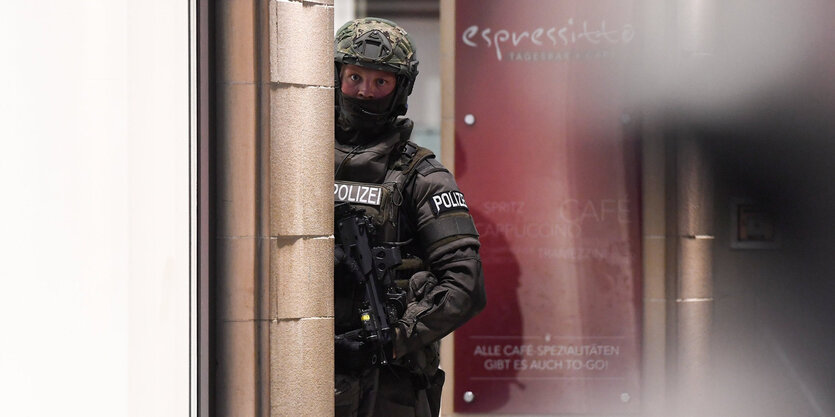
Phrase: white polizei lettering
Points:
(459, 200)
(448, 200)
(362, 197)
(437, 200)
(353, 198)
(357, 193)
(343, 195)
(374, 196)
(445, 198)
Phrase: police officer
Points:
(416, 205)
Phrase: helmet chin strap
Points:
(372, 114)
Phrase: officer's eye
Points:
(354, 77)
(381, 82)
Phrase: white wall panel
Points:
(94, 219)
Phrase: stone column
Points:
(694, 184)
(694, 298)
(301, 207)
(448, 159)
(448, 38)
(274, 158)
(239, 277)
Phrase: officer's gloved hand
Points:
(352, 353)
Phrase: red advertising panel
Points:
(551, 175)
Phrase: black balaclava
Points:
(366, 118)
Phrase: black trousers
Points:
(386, 392)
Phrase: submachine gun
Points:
(372, 266)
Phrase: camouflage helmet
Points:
(379, 44)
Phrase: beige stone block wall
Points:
(300, 165)
(274, 231)
(297, 29)
(298, 281)
(301, 161)
(297, 358)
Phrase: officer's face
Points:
(365, 83)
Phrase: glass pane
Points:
(551, 171)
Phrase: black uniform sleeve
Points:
(452, 290)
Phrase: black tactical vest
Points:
(384, 204)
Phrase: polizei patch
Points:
(357, 193)
(448, 200)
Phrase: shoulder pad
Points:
(430, 165)
(446, 227)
